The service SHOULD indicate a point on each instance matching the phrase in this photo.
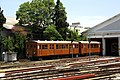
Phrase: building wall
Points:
(79, 28)
(109, 33)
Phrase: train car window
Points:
(70, 46)
(39, 46)
(98, 45)
(81, 45)
(45, 46)
(66, 46)
(92, 46)
(57, 47)
(62, 46)
(76, 45)
(95, 45)
(84, 45)
(51, 46)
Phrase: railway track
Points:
(55, 62)
(69, 69)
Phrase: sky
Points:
(88, 12)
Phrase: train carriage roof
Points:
(84, 42)
(92, 42)
(38, 41)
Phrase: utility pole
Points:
(89, 40)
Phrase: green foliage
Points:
(36, 15)
(82, 38)
(40, 16)
(51, 33)
(59, 19)
(19, 43)
(8, 41)
(14, 43)
(74, 36)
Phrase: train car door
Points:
(45, 50)
(85, 48)
(39, 49)
(71, 48)
(51, 49)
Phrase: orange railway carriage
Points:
(60, 48)
(51, 48)
(84, 47)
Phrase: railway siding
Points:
(64, 69)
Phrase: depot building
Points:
(108, 33)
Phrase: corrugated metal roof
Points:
(102, 24)
(115, 26)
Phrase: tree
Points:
(19, 44)
(36, 15)
(8, 41)
(52, 34)
(82, 38)
(59, 19)
(2, 19)
(14, 43)
(19, 35)
(72, 35)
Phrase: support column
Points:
(119, 46)
(103, 47)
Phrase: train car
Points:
(40, 49)
(37, 49)
(85, 48)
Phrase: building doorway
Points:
(112, 47)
